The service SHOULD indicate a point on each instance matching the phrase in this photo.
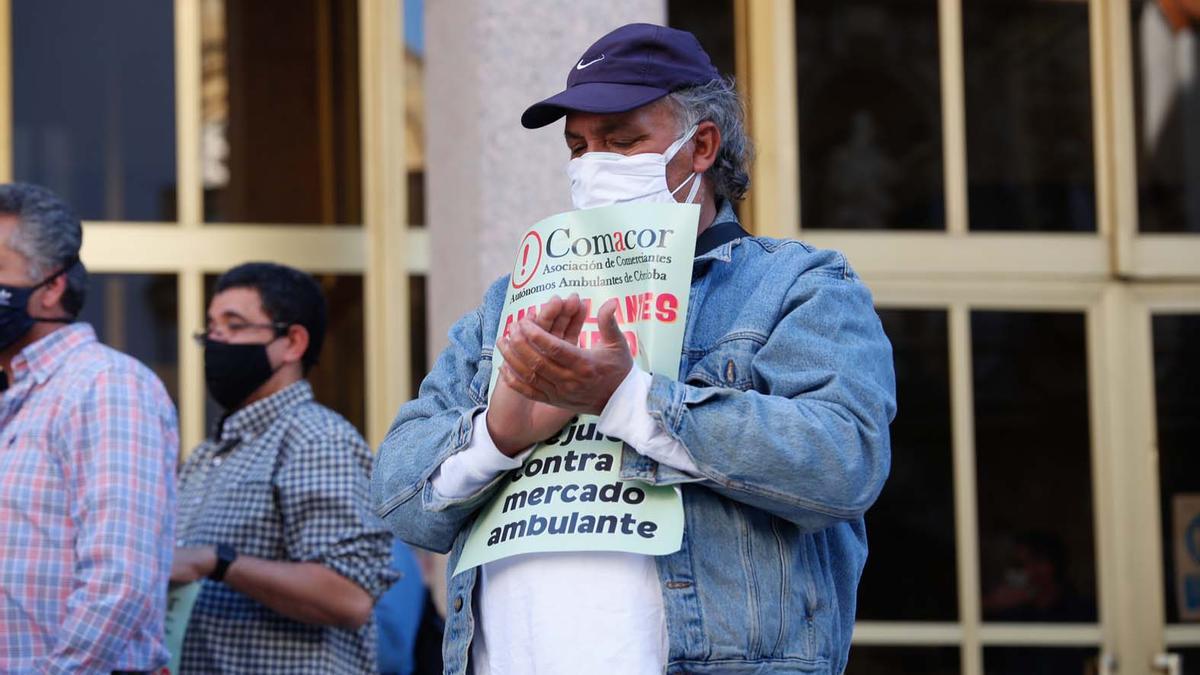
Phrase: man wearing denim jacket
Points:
(776, 430)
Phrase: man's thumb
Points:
(610, 330)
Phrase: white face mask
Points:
(606, 178)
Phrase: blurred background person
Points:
(89, 442)
(275, 517)
(410, 627)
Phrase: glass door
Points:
(1170, 317)
(194, 135)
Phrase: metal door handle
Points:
(1168, 663)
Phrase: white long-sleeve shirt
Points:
(577, 612)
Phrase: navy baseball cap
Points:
(626, 69)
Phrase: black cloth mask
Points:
(15, 320)
(234, 371)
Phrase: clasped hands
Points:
(547, 378)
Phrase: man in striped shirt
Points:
(88, 441)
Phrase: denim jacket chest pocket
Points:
(728, 363)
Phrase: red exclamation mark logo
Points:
(531, 257)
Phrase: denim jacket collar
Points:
(724, 252)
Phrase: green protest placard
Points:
(568, 494)
(180, 601)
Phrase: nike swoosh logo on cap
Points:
(583, 65)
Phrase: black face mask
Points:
(15, 321)
(233, 371)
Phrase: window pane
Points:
(418, 331)
(911, 572)
(1166, 74)
(138, 314)
(93, 93)
(414, 107)
(872, 660)
(870, 114)
(339, 378)
(711, 21)
(1039, 660)
(1177, 407)
(1033, 463)
(1191, 659)
(1029, 115)
(279, 111)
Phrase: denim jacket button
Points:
(458, 604)
(730, 372)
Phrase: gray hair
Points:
(48, 235)
(718, 102)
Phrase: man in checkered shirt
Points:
(88, 441)
(275, 518)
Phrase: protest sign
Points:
(180, 601)
(568, 494)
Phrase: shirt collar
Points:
(254, 419)
(44, 357)
(725, 213)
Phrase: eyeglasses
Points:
(279, 327)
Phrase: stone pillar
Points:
(488, 178)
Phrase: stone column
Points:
(488, 178)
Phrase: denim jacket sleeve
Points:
(431, 428)
(808, 441)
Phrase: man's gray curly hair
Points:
(718, 102)
(49, 236)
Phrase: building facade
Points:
(1017, 180)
